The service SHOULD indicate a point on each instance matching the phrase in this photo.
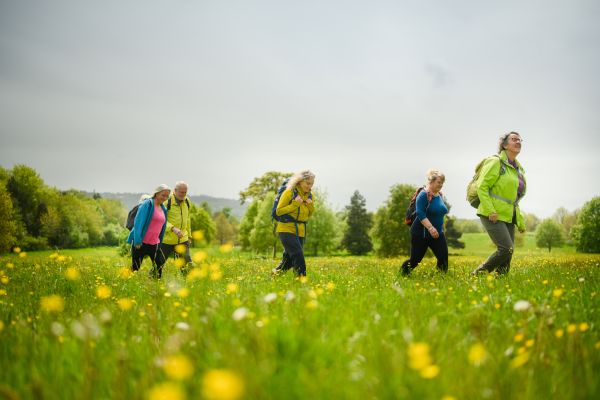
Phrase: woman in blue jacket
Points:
(427, 231)
(148, 231)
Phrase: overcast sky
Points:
(123, 95)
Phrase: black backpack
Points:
(284, 217)
(131, 217)
(411, 211)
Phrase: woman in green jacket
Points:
(501, 185)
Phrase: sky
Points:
(120, 96)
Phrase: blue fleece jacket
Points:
(142, 221)
(434, 211)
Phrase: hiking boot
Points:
(478, 270)
(405, 269)
(275, 271)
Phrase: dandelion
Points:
(52, 304)
(519, 337)
(180, 262)
(125, 304)
(522, 305)
(17, 250)
(430, 372)
(22, 254)
(418, 354)
(198, 235)
(180, 249)
(557, 293)
(477, 354)
(53, 256)
(571, 328)
(485, 299)
(240, 313)
(10, 265)
(597, 345)
(232, 288)
(103, 292)
(61, 258)
(5, 280)
(529, 343)
(2, 292)
(519, 360)
(270, 297)
(303, 279)
(178, 367)
(72, 274)
(312, 304)
(195, 274)
(448, 397)
(1, 325)
(183, 293)
(125, 273)
(222, 384)
(199, 257)
(226, 248)
(497, 306)
(330, 286)
(559, 333)
(166, 391)
(583, 327)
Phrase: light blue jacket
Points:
(142, 221)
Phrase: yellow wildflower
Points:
(125, 304)
(519, 337)
(584, 326)
(199, 256)
(418, 354)
(477, 354)
(222, 384)
(557, 293)
(559, 333)
(180, 248)
(519, 360)
(183, 292)
(232, 288)
(571, 328)
(72, 274)
(166, 391)
(430, 372)
(178, 367)
(198, 235)
(226, 248)
(52, 304)
(103, 292)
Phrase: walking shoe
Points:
(275, 271)
(478, 270)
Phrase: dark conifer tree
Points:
(356, 238)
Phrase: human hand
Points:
(178, 232)
(493, 217)
(298, 199)
(434, 233)
(137, 246)
(309, 201)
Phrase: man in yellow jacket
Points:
(178, 236)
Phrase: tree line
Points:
(35, 216)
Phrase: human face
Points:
(180, 192)
(436, 185)
(514, 142)
(306, 185)
(161, 197)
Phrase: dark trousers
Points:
(418, 248)
(169, 249)
(293, 254)
(503, 236)
(151, 250)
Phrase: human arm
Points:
(286, 205)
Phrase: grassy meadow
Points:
(80, 325)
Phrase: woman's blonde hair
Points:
(503, 141)
(300, 176)
(434, 174)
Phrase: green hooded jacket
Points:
(498, 191)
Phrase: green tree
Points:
(356, 237)
(389, 228)
(586, 233)
(8, 238)
(261, 186)
(261, 236)
(26, 189)
(201, 221)
(565, 219)
(531, 221)
(452, 234)
(225, 229)
(468, 225)
(323, 231)
(549, 234)
(247, 224)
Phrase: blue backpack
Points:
(285, 217)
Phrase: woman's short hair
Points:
(160, 188)
(503, 141)
(299, 176)
(434, 174)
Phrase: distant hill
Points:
(215, 203)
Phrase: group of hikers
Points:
(162, 221)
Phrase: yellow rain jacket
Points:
(178, 216)
(300, 213)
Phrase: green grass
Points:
(343, 334)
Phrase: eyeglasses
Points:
(516, 140)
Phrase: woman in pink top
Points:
(148, 231)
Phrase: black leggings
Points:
(151, 250)
(418, 248)
(293, 254)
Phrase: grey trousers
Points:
(503, 236)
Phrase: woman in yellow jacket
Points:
(296, 205)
